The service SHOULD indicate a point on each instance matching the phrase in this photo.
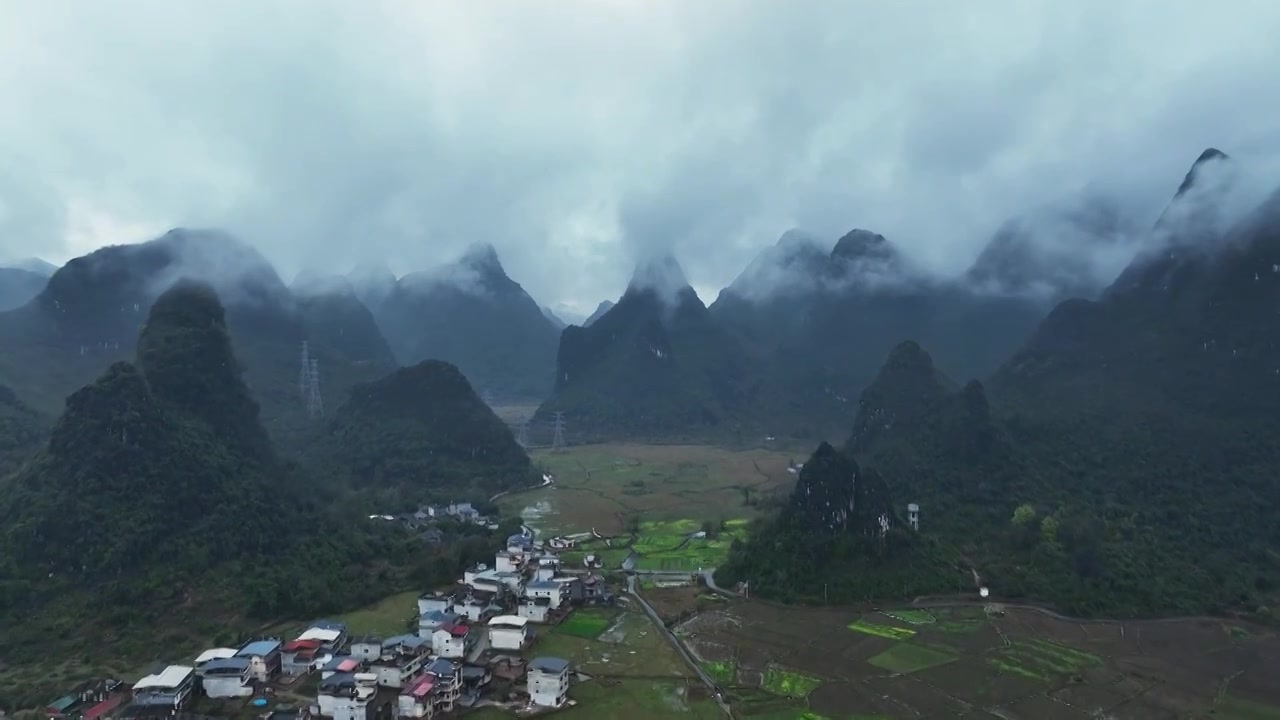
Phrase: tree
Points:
(1023, 515)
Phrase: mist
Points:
(581, 136)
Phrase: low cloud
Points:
(582, 135)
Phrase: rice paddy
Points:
(885, 631)
(904, 658)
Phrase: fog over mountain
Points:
(330, 135)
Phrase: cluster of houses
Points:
(467, 636)
(426, 517)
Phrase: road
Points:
(675, 641)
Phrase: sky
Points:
(576, 136)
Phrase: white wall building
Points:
(170, 687)
(534, 610)
(227, 677)
(549, 589)
(450, 641)
(548, 681)
(366, 649)
(508, 632)
(346, 696)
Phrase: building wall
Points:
(366, 651)
(426, 605)
(506, 638)
(535, 613)
(410, 707)
(547, 689)
(225, 686)
(446, 645)
(346, 708)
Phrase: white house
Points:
(430, 622)
(450, 641)
(548, 681)
(170, 687)
(534, 609)
(418, 700)
(435, 602)
(366, 648)
(402, 659)
(263, 657)
(227, 677)
(547, 568)
(549, 589)
(508, 632)
(508, 561)
(346, 696)
(213, 654)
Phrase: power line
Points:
(315, 403)
(304, 373)
(557, 442)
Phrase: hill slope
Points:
(1125, 464)
(156, 486)
(90, 313)
(470, 314)
(18, 286)
(422, 434)
(655, 365)
(818, 323)
(21, 431)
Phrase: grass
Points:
(878, 630)
(722, 671)
(628, 646)
(788, 684)
(586, 623)
(387, 617)
(599, 486)
(1041, 660)
(626, 700)
(910, 617)
(907, 658)
(665, 545)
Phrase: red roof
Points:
(454, 629)
(296, 645)
(103, 707)
(423, 686)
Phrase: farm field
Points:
(611, 644)
(1017, 664)
(599, 486)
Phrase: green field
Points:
(722, 671)
(910, 617)
(1041, 660)
(390, 616)
(625, 644)
(586, 623)
(884, 631)
(788, 683)
(1234, 708)
(629, 700)
(912, 657)
(600, 486)
(666, 545)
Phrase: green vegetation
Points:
(628, 646)
(387, 617)
(610, 487)
(586, 623)
(668, 545)
(653, 367)
(884, 631)
(1041, 659)
(912, 657)
(788, 683)
(722, 671)
(159, 509)
(911, 617)
(422, 434)
(470, 314)
(21, 431)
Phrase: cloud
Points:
(578, 136)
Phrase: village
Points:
(469, 647)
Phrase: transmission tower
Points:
(315, 403)
(523, 437)
(557, 442)
(304, 373)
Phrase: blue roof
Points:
(259, 647)
(519, 539)
(237, 664)
(440, 666)
(439, 615)
(409, 640)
